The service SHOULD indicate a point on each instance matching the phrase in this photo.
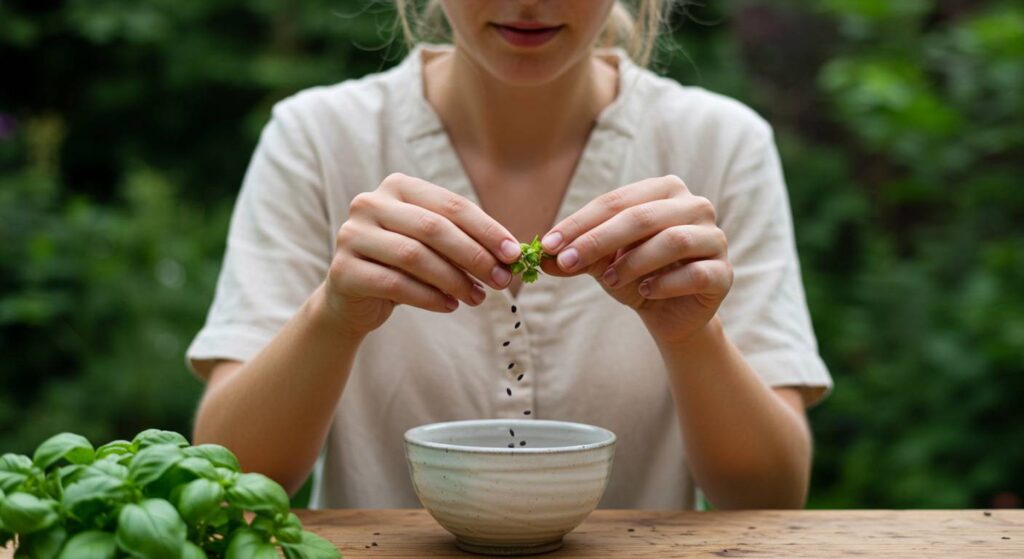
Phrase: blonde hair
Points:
(636, 31)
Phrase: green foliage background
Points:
(125, 128)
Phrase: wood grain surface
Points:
(408, 534)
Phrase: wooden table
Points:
(408, 534)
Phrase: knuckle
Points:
(393, 181)
(701, 276)
(336, 273)
(481, 260)
(643, 217)
(455, 204)
(705, 208)
(429, 225)
(362, 202)
(390, 284)
(680, 239)
(613, 201)
(723, 240)
(408, 254)
(675, 183)
(590, 243)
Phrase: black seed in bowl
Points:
(511, 432)
(510, 445)
(522, 443)
(527, 412)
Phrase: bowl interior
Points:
(494, 435)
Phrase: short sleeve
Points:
(765, 314)
(278, 247)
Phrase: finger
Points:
(682, 242)
(633, 224)
(703, 277)
(608, 204)
(370, 279)
(419, 261)
(466, 215)
(446, 239)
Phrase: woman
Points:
(366, 285)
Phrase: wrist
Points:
(707, 337)
(325, 316)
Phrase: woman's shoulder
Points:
(353, 105)
(689, 111)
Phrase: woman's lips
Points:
(527, 34)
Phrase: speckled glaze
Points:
(509, 501)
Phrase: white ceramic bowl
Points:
(509, 501)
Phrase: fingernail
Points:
(610, 277)
(450, 302)
(568, 259)
(551, 241)
(478, 295)
(645, 289)
(510, 249)
(500, 275)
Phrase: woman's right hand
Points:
(414, 243)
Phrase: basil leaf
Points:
(192, 551)
(96, 490)
(289, 529)
(106, 468)
(75, 448)
(199, 467)
(152, 462)
(151, 530)
(216, 454)
(199, 499)
(42, 545)
(227, 475)
(249, 544)
(311, 546)
(23, 513)
(114, 448)
(153, 437)
(258, 493)
(14, 470)
(92, 544)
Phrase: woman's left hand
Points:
(653, 246)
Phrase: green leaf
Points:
(249, 544)
(153, 437)
(95, 490)
(74, 448)
(24, 513)
(192, 551)
(216, 454)
(311, 546)
(114, 448)
(106, 468)
(289, 528)
(152, 462)
(92, 544)
(199, 500)
(42, 545)
(151, 530)
(14, 470)
(258, 493)
(199, 467)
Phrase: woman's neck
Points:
(516, 127)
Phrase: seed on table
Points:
(519, 378)
(374, 544)
(513, 308)
(505, 344)
(517, 324)
(631, 530)
(511, 432)
(376, 533)
(510, 445)
(527, 412)
(509, 390)
(522, 443)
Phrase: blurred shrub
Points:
(125, 129)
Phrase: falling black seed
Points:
(527, 412)
(519, 378)
(510, 445)
(510, 365)
(511, 432)
(509, 390)
(517, 324)
(505, 344)
(522, 443)
(513, 308)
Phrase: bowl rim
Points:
(609, 440)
